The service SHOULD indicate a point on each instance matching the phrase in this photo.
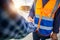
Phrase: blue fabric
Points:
(46, 23)
(45, 32)
(36, 20)
(11, 28)
(56, 22)
(32, 12)
(44, 2)
(36, 36)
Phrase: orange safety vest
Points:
(45, 11)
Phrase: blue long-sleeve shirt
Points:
(11, 28)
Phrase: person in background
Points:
(12, 25)
(56, 23)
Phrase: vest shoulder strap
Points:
(55, 8)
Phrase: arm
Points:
(56, 21)
(17, 30)
(32, 12)
(56, 25)
(13, 28)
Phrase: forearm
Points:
(32, 12)
(15, 29)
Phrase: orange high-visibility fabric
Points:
(44, 11)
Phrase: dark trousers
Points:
(36, 36)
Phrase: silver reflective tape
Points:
(49, 19)
(45, 27)
(45, 18)
(37, 16)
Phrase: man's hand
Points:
(54, 36)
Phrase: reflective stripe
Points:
(45, 18)
(44, 22)
(44, 27)
(37, 16)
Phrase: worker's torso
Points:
(44, 8)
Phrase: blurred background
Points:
(23, 8)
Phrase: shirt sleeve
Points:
(56, 22)
(32, 12)
(26, 27)
(14, 29)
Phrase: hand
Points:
(30, 19)
(54, 36)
